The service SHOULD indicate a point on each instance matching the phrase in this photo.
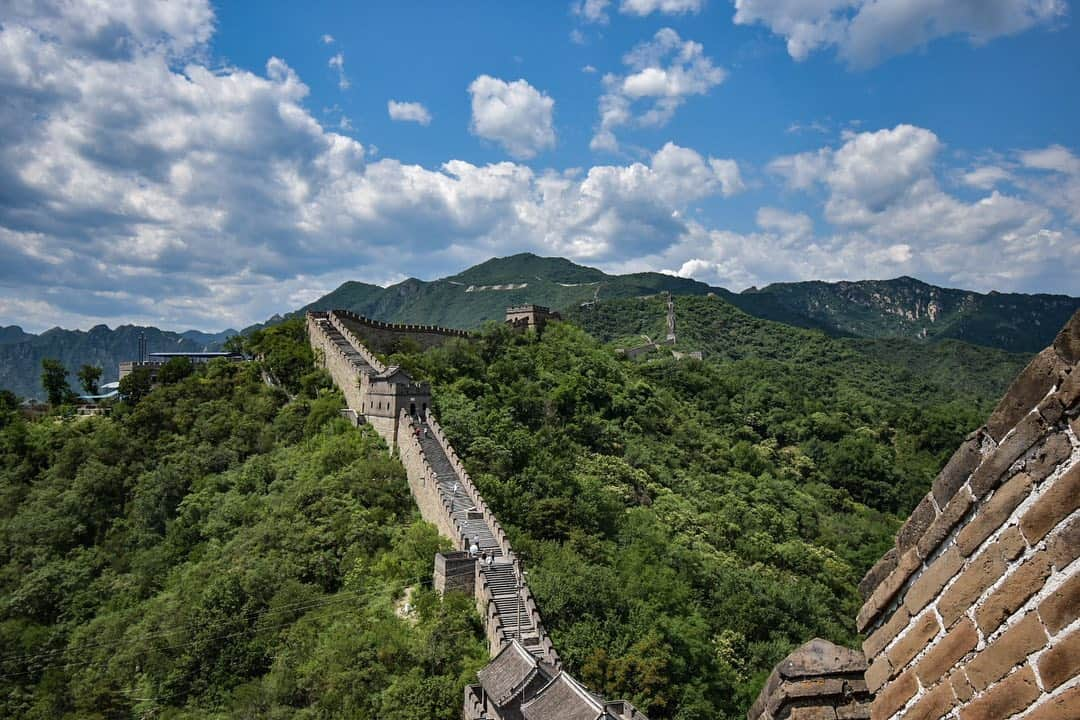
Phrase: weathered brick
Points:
(980, 574)
(916, 524)
(1053, 451)
(879, 671)
(1007, 598)
(1011, 543)
(993, 514)
(1008, 697)
(1067, 342)
(1059, 707)
(1026, 433)
(1056, 503)
(893, 697)
(1062, 606)
(881, 637)
(927, 585)
(944, 523)
(960, 685)
(913, 640)
(1006, 652)
(1051, 409)
(855, 710)
(888, 587)
(957, 643)
(1061, 662)
(1029, 387)
(1069, 391)
(933, 705)
(956, 471)
(812, 713)
(879, 572)
(1064, 543)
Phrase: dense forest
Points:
(216, 550)
(224, 548)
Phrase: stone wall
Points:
(383, 336)
(422, 483)
(335, 362)
(973, 614)
(819, 681)
(455, 572)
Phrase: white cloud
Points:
(663, 72)
(515, 115)
(591, 11)
(641, 8)
(864, 32)
(985, 177)
(589, 69)
(337, 62)
(408, 112)
(328, 39)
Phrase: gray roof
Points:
(564, 698)
(508, 672)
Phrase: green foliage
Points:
(284, 351)
(686, 524)
(175, 370)
(54, 381)
(89, 375)
(135, 385)
(216, 550)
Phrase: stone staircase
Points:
(501, 576)
(346, 347)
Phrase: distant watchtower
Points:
(530, 316)
(670, 319)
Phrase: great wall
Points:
(972, 615)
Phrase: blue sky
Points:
(208, 164)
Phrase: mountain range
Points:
(902, 308)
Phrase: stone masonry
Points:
(483, 563)
(973, 614)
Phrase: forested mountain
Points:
(906, 307)
(20, 358)
(875, 309)
(217, 550)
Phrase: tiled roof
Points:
(564, 699)
(508, 673)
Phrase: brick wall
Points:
(819, 681)
(339, 367)
(973, 614)
(383, 336)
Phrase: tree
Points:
(54, 381)
(175, 370)
(235, 344)
(135, 386)
(88, 378)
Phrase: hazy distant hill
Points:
(871, 309)
(906, 307)
(20, 359)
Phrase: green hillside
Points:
(218, 551)
(686, 524)
(906, 307)
(483, 292)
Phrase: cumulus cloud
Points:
(596, 11)
(889, 214)
(662, 73)
(328, 39)
(641, 8)
(337, 62)
(864, 32)
(515, 115)
(138, 191)
(408, 112)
